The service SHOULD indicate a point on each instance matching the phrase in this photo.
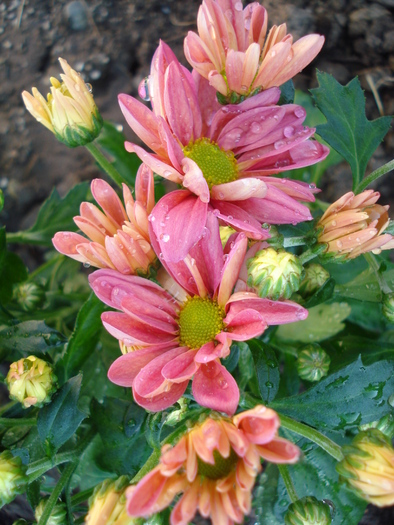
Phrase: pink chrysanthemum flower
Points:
(183, 328)
(215, 466)
(355, 224)
(118, 236)
(233, 51)
(221, 155)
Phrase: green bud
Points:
(274, 274)
(12, 477)
(385, 425)
(276, 239)
(108, 499)
(313, 363)
(29, 296)
(388, 306)
(31, 381)
(58, 515)
(308, 511)
(315, 277)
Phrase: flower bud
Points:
(308, 511)
(31, 381)
(225, 233)
(385, 425)
(29, 296)
(313, 363)
(107, 505)
(274, 274)
(58, 515)
(368, 467)
(69, 111)
(12, 477)
(315, 277)
(388, 306)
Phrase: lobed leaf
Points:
(267, 369)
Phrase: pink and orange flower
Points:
(118, 236)
(214, 466)
(182, 329)
(222, 156)
(233, 51)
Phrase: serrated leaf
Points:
(56, 214)
(59, 420)
(287, 93)
(85, 336)
(348, 130)
(355, 395)
(112, 142)
(267, 370)
(323, 321)
(27, 338)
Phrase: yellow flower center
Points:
(199, 321)
(221, 468)
(218, 166)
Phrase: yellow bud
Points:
(58, 515)
(12, 477)
(69, 111)
(31, 381)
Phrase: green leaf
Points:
(58, 421)
(55, 215)
(355, 395)
(365, 287)
(267, 370)
(12, 270)
(323, 321)
(112, 142)
(27, 338)
(348, 348)
(89, 473)
(119, 423)
(1, 200)
(85, 336)
(323, 294)
(348, 130)
(287, 93)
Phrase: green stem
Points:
(295, 241)
(307, 256)
(374, 175)
(7, 407)
(64, 478)
(81, 497)
(284, 472)
(104, 163)
(373, 263)
(18, 422)
(313, 435)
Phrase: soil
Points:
(111, 44)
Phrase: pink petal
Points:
(181, 368)
(234, 68)
(277, 208)
(209, 352)
(108, 200)
(259, 424)
(164, 399)
(245, 325)
(279, 450)
(239, 190)
(215, 388)
(194, 180)
(161, 59)
(273, 62)
(144, 187)
(156, 164)
(145, 495)
(207, 100)
(231, 268)
(67, 242)
(239, 219)
(149, 314)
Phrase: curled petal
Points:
(215, 388)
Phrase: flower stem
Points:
(313, 435)
(66, 475)
(373, 263)
(284, 472)
(104, 163)
(295, 241)
(18, 422)
(374, 175)
(7, 407)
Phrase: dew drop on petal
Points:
(89, 87)
(143, 89)
(255, 127)
(165, 237)
(86, 264)
(299, 112)
(339, 244)
(238, 6)
(288, 131)
(312, 186)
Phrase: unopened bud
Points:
(225, 233)
(315, 277)
(274, 274)
(388, 306)
(29, 296)
(368, 467)
(385, 425)
(13, 477)
(313, 362)
(58, 514)
(308, 511)
(69, 111)
(31, 381)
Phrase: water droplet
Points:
(312, 186)
(167, 173)
(247, 24)
(273, 53)
(151, 218)
(339, 244)
(89, 87)
(86, 264)
(288, 131)
(268, 384)
(279, 144)
(238, 6)
(255, 127)
(165, 237)
(299, 112)
(143, 89)
(333, 223)
(220, 195)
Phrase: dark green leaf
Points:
(355, 395)
(89, 473)
(287, 93)
(323, 294)
(56, 215)
(1, 201)
(58, 421)
(33, 493)
(267, 370)
(347, 129)
(112, 142)
(12, 270)
(348, 348)
(29, 337)
(119, 423)
(85, 336)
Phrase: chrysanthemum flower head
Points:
(233, 51)
(117, 236)
(214, 466)
(222, 156)
(69, 110)
(355, 224)
(182, 329)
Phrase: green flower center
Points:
(218, 166)
(199, 321)
(221, 468)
